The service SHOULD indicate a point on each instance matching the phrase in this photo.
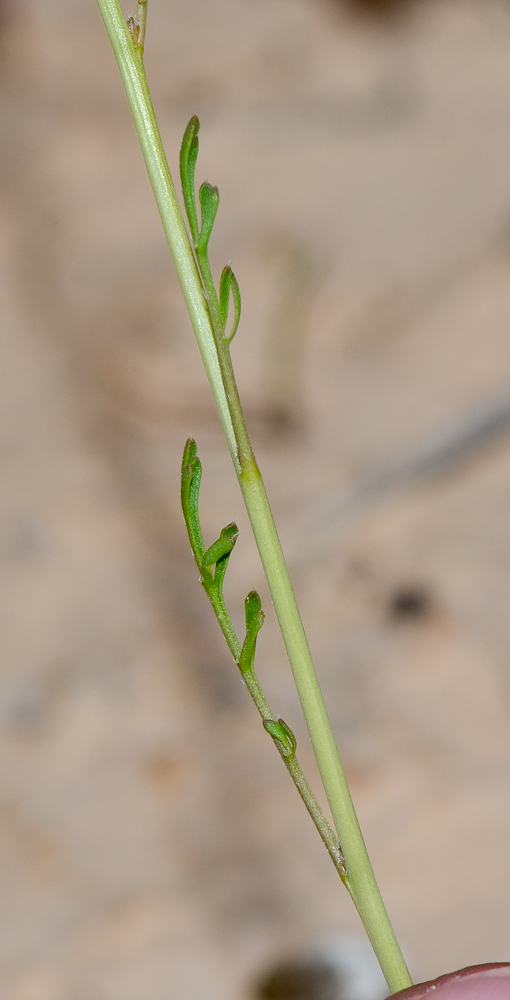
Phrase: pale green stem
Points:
(364, 888)
(130, 62)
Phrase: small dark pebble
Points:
(411, 603)
(300, 981)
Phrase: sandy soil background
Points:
(151, 845)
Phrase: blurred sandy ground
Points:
(151, 845)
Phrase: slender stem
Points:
(362, 882)
(330, 840)
(130, 64)
(364, 889)
(212, 565)
(291, 762)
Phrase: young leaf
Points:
(254, 622)
(228, 284)
(282, 735)
(252, 607)
(190, 452)
(222, 562)
(188, 159)
(191, 474)
(222, 547)
(209, 201)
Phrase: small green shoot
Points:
(212, 565)
(209, 313)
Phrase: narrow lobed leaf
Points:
(209, 201)
(190, 452)
(191, 474)
(229, 284)
(252, 607)
(222, 562)
(225, 280)
(254, 622)
(187, 162)
(222, 547)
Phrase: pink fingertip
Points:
(477, 982)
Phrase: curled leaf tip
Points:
(282, 736)
(254, 623)
(190, 451)
(231, 531)
(252, 607)
(222, 547)
(187, 161)
(190, 135)
(209, 201)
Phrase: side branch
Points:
(212, 564)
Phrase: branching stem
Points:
(212, 564)
(205, 315)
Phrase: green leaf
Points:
(252, 607)
(191, 474)
(222, 562)
(188, 159)
(190, 452)
(282, 735)
(222, 547)
(209, 201)
(254, 622)
(228, 284)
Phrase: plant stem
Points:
(129, 59)
(216, 359)
(212, 565)
(362, 883)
